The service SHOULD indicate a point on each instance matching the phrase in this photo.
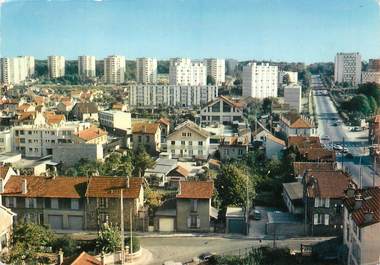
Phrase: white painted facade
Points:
(86, 66)
(146, 70)
(13, 70)
(116, 119)
(371, 77)
(185, 72)
(56, 66)
(293, 97)
(170, 95)
(293, 77)
(348, 68)
(216, 68)
(114, 69)
(260, 80)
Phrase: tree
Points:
(68, 245)
(372, 103)
(109, 239)
(210, 80)
(286, 79)
(27, 241)
(267, 105)
(232, 184)
(370, 90)
(142, 161)
(135, 243)
(358, 103)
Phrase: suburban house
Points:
(323, 194)
(295, 124)
(274, 146)
(317, 155)
(165, 129)
(194, 206)
(158, 175)
(301, 168)
(147, 135)
(85, 111)
(57, 202)
(304, 142)
(233, 147)
(103, 201)
(293, 197)
(92, 135)
(188, 140)
(222, 110)
(361, 225)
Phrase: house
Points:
(65, 106)
(361, 225)
(323, 200)
(188, 140)
(235, 220)
(295, 124)
(301, 168)
(176, 175)
(6, 225)
(193, 206)
(222, 110)
(165, 129)
(317, 155)
(274, 147)
(304, 142)
(85, 111)
(147, 135)
(158, 175)
(92, 135)
(233, 147)
(293, 197)
(115, 121)
(103, 201)
(57, 202)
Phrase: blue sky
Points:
(288, 30)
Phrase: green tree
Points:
(135, 243)
(370, 90)
(68, 245)
(27, 241)
(372, 103)
(359, 103)
(232, 184)
(109, 239)
(210, 80)
(286, 79)
(267, 105)
(142, 161)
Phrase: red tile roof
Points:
(145, 128)
(195, 189)
(295, 120)
(304, 141)
(82, 259)
(318, 154)
(327, 184)
(370, 203)
(3, 171)
(90, 133)
(164, 121)
(37, 186)
(109, 187)
(301, 167)
(179, 171)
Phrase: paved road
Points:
(184, 249)
(356, 142)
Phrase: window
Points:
(327, 219)
(30, 203)
(193, 221)
(75, 204)
(139, 139)
(182, 142)
(54, 203)
(172, 142)
(102, 202)
(194, 205)
(22, 140)
(200, 143)
(147, 138)
(316, 202)
(189, 134)
(10, 202)
(327, 202)
(184, 134)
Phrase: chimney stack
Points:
(24, 186)
(350, 192)
(358, 201)
(368, 216)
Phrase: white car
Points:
(325, 138)
(338, 147)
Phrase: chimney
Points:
(24, 186)
(358, 201)
(368, 216)
(350, 192)
(60, 256)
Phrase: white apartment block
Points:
(56, 66)
(146, 70)
(39, 140)
(260, 80)
(216, 68)
(29, 64)
(13, 70)
(170, 95)
(293, 77)
(348, 68)
(114, 69)
(185, 72)
(293, 97)
(5, 141)
(116, 119)
(371, 77)
(86, 66)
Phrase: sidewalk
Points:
(145, 258)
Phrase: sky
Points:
(278, 30)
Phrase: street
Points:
(185, 248)
(355, 142)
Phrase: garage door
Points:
(75, 222)
(55, 221)
(236, 226)
(166, 224)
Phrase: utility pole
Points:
(122, 227)
(247, 208)
(374, 171)
(131, 243)
(343, 155)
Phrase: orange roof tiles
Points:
(275, 139)
(3, 171)
(52, 118)
(195, 189)
(318, 154)
(82, 259)
(109, 187)
(145, 128)
(164, 121)
(302, 167)
(327, 184)
(37, 186)
(304, 141)
(90, 133)
(294, 120)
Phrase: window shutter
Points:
(27, 202)
(327, 219)
(107, 202)
(188, 221)
(14, 202)
(316, 202)
(34, 202)
(315, 218)
(198, 222)
(327, 203)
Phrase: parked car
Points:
(255, 214)
(356, 129)
(205, 256)
(337, 147)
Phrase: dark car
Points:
(205, 256)
(349, 156)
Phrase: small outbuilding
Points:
(235, 220)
